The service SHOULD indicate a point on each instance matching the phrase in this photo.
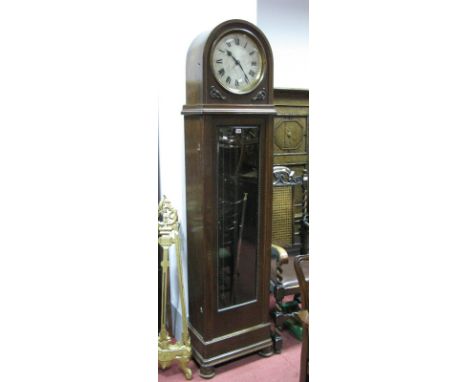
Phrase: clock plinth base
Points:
(226, 348)
(207, 366)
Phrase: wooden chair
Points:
(301, 265)
(286, 224)
(283, 281)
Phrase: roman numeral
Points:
(252, 52)
(221, 72)
(228, 80)
(237, 41)
(252, 73)
(245, 46)
(228, 43)
(222, 51)
(236, 83)
(254, 63)
(219, 61)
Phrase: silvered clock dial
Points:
(237, 62)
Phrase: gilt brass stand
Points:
(169, 349)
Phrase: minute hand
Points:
(238, 63)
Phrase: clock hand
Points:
(239, 64)
(235, 60)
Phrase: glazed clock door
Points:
(238, 155)
(238, 179)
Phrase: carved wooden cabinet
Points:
(290, 168)
(228, 146)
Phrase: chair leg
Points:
(297, 298)
(277, 341)
(278, 318)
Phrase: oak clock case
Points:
(228, 149)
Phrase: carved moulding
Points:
(260, 96)
(216, 94)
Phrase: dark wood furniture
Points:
(284, 283)
(228, 148)
(303, 317)
(290, 196)
(290, 151)
(301, 266)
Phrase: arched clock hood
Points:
(203, 91)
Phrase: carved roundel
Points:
(289, 135)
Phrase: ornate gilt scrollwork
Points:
(168, 219)
(216, 94)
(168, 351)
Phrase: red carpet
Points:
(282, 367)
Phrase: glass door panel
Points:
(238, 165)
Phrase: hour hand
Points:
(230, 55)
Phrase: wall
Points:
(286, 24)
(78, 193)
(197, 17)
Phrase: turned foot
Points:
(266, 352)
(207, 372)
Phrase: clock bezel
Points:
(261, 50)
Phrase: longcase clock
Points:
(228, 147)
